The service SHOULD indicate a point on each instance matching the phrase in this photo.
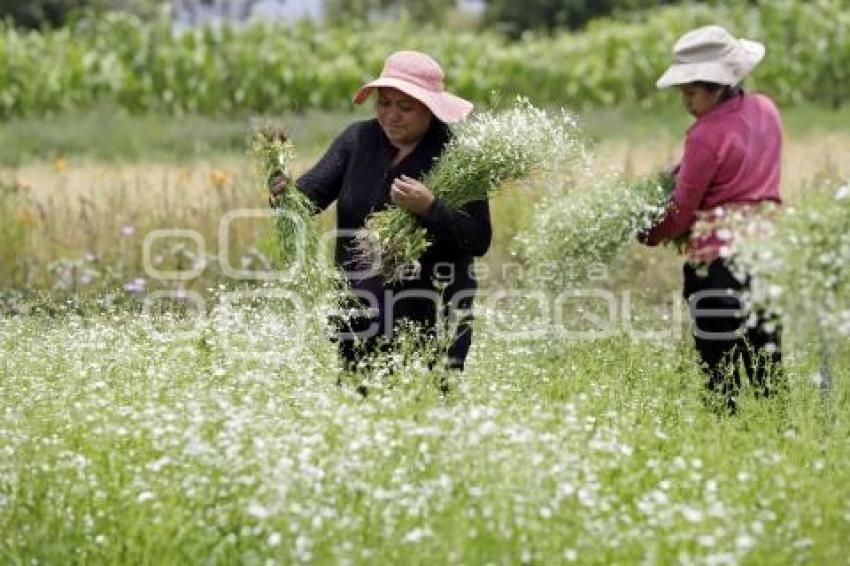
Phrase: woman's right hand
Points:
(278, 182)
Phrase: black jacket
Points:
(356, 172)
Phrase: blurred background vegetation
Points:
(218, 60)
(514, 17)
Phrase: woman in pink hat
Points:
(731, 162)
(380, 161)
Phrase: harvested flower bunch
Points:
(484, 154)
(273, 154)
(798, 261)
(575, 232)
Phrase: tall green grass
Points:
(17, 219)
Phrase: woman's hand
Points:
(278, 182)
(411, 195)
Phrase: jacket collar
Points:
(722, 109)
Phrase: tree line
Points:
(509, 16)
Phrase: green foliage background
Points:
(142, 66)
(517, 17)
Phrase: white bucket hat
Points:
(712, 55)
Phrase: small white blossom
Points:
(417, 535)
(145, 496)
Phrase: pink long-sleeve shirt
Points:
(732, 157)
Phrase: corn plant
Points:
(118, 59)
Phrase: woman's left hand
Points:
(411, 195)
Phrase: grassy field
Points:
(166, 138)
(222, 436)
(87, 186)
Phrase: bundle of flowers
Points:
(273, 154)
(798, 262)
(484, 154)
(580, 229)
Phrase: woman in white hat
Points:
(731, 161)
(380, 161)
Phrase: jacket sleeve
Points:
(467, 230)
(694, 176)
(322, 183)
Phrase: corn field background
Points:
(146, 66)
(148, 417)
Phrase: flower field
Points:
(140, 432)
(130, 439)
(168, 391)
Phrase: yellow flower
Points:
(60, 164)
(220, 178)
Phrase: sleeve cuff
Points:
(435, 213)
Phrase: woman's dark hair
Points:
(728, 91)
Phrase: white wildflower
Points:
(145, 496)
(706, 540)
(744, 542)
(692, 515)
(256, 510)
(418, 534)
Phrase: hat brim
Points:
(727, 72)
(445, 106)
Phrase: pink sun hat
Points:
(419, 76)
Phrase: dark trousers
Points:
(727, 334)
(362, 338)
(357, 352)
